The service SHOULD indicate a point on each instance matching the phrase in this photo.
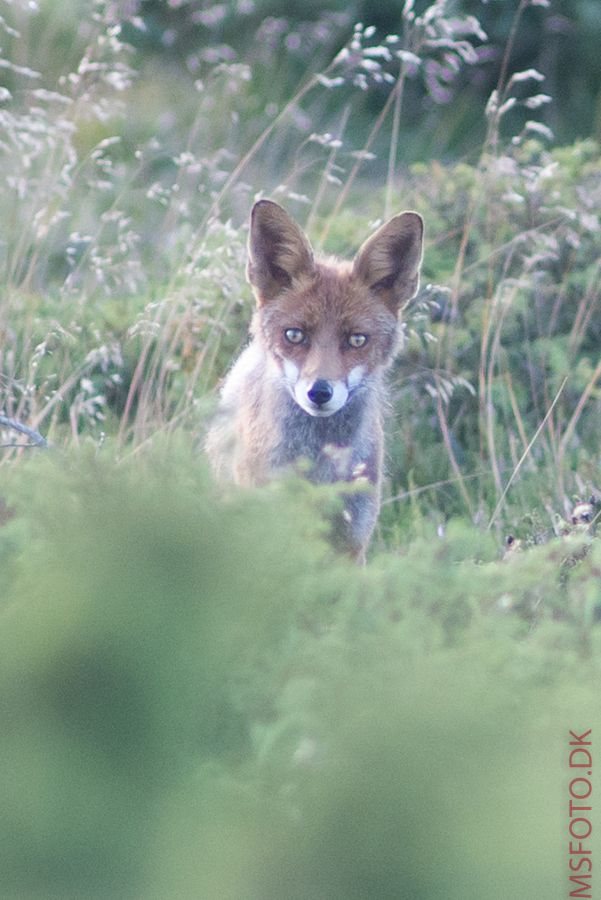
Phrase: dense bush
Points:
(199, 701)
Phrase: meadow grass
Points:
(124, 254)
(204, 701)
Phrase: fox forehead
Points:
(330, 299)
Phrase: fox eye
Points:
(294, 335)
(357, 340)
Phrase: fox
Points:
(311, 384)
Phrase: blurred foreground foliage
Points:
(200, 700)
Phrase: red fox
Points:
(310, 385)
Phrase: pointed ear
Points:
(389, 261)
(278, 251)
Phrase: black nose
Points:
(320, 392)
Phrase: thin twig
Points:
(394, 141)
(323, 182)
(359, 162)
(453, 460)
(434, 485)
(525, 454)
(34, 436)
(571, 426)
(513, 32)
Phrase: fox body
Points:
(310, 385)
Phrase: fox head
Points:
(328, 324)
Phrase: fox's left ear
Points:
(389, 261)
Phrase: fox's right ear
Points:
(389, 261)
(278, 251)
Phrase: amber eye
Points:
(357, 340)
(294, 335)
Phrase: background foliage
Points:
(199, 699)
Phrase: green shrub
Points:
(200, 700)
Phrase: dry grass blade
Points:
(434, 485)
(453, 460)
(524, 455)
(359, 162)
(571, 426)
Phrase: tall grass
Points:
(124, 296)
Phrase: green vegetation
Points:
(201, 701)
(199, 698)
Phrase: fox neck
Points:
(336, 443)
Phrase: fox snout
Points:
(321, 392)
(321, 396)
